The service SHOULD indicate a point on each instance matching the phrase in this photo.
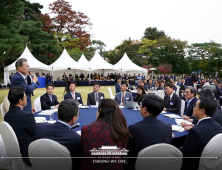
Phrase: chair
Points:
(171, 157)
(111, 93)
(182, 107)
(12, 147)
(178, 89)
(49, 148)
(4, 163)
(195, 85)
(160, 93)
(212, 149)
(2, 110)
(114, 89)
(37, 104)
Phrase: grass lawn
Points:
(59, 91)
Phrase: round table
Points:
(88, 116)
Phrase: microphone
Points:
(76, 125)
(33, 76)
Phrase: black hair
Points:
(15, 94)
(72, 82)
(169, 84)
(123, 82)
(96, 83)
(218, 82)
(153, 103)
(49, 85)
(19, 62)
(68, 109)
(208, 105)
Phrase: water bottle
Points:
(52, 116)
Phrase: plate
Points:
(40, 119)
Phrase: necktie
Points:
(26, 80)
(50, 98)
(123, 99)
(97, 99)
(188, 102)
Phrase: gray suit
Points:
(128, 97)
(91, 98)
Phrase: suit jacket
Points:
(173, 105)
(175, 88)
(128, 97)
(173, 77)
(145, 87)
(159, 88)
(218, 93)
(96, 136)
(156, 132)
(65, 136)
(188, 81)
(189, 111)
(77, 97)
(29, 80)
(143, 77)
(150, 86)
(46, 102)
(117, 87)
(18, 80)
(91, 98)
(24, 126)
(196, 140)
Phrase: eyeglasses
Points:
(24, 98)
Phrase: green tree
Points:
(11, 42)
(153, 34)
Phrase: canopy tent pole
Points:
(121, 74)
(52, 71)
(74, 75)
(89, 75)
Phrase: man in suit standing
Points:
(64, 77)
(191, 100)
(189, 81)
(10, 77)
(216, 76)
(183, 76)
(20, 79)
(49, 100)
(201, 134)
(96, 96)
(218, 87)
(172, 101)
(150, 130)
(143, 77)
(123, 96)
(173, 77)
(72, 94)
(68, 114)
(118, 86)
(22, 122)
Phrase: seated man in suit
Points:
(118, 86)
(95, 96)
(179, 83)
(150, 130)
(123, 96)
(150, 85)
(58, 79)
(68, 114)
(172, 101)
(72, 94)
(218, 87)
(22, 122)
(200, 135)
(49, 100)
(174, 86)
(129, 87)
(191, 100)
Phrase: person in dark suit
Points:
(189, 81)
(49, 100)
(29, 79)
(179, 83)
(173, 77)
(20, 79)
(143, 77)
(142, 84)
(218, 87)
(140, 93)
(95, 96)
(183, 76)
(157, 85)
(123, 96)
(68, 114)
(172, 101)
(150, 85)
(216, 76)
(72, 94)
(22, 122)
(129, 87)
(150, 130)
(201, 134)
(191, 100)
(105, 130)
(118, 86)
(10, 77)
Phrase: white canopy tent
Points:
(127, 65)
(83, 61)
(64, 63)
(32, 62)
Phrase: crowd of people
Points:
(110, 127)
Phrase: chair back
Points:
(111, 93)
(37, 104)
(58, 155)
(182, 107)
(2, 110)
(163, 156)
(11, 143)
(160, 93)
(195, 85)
(4, 163)
(178, 89)
(212, 149)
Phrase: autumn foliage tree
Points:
(165, 68)
(66, 21)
